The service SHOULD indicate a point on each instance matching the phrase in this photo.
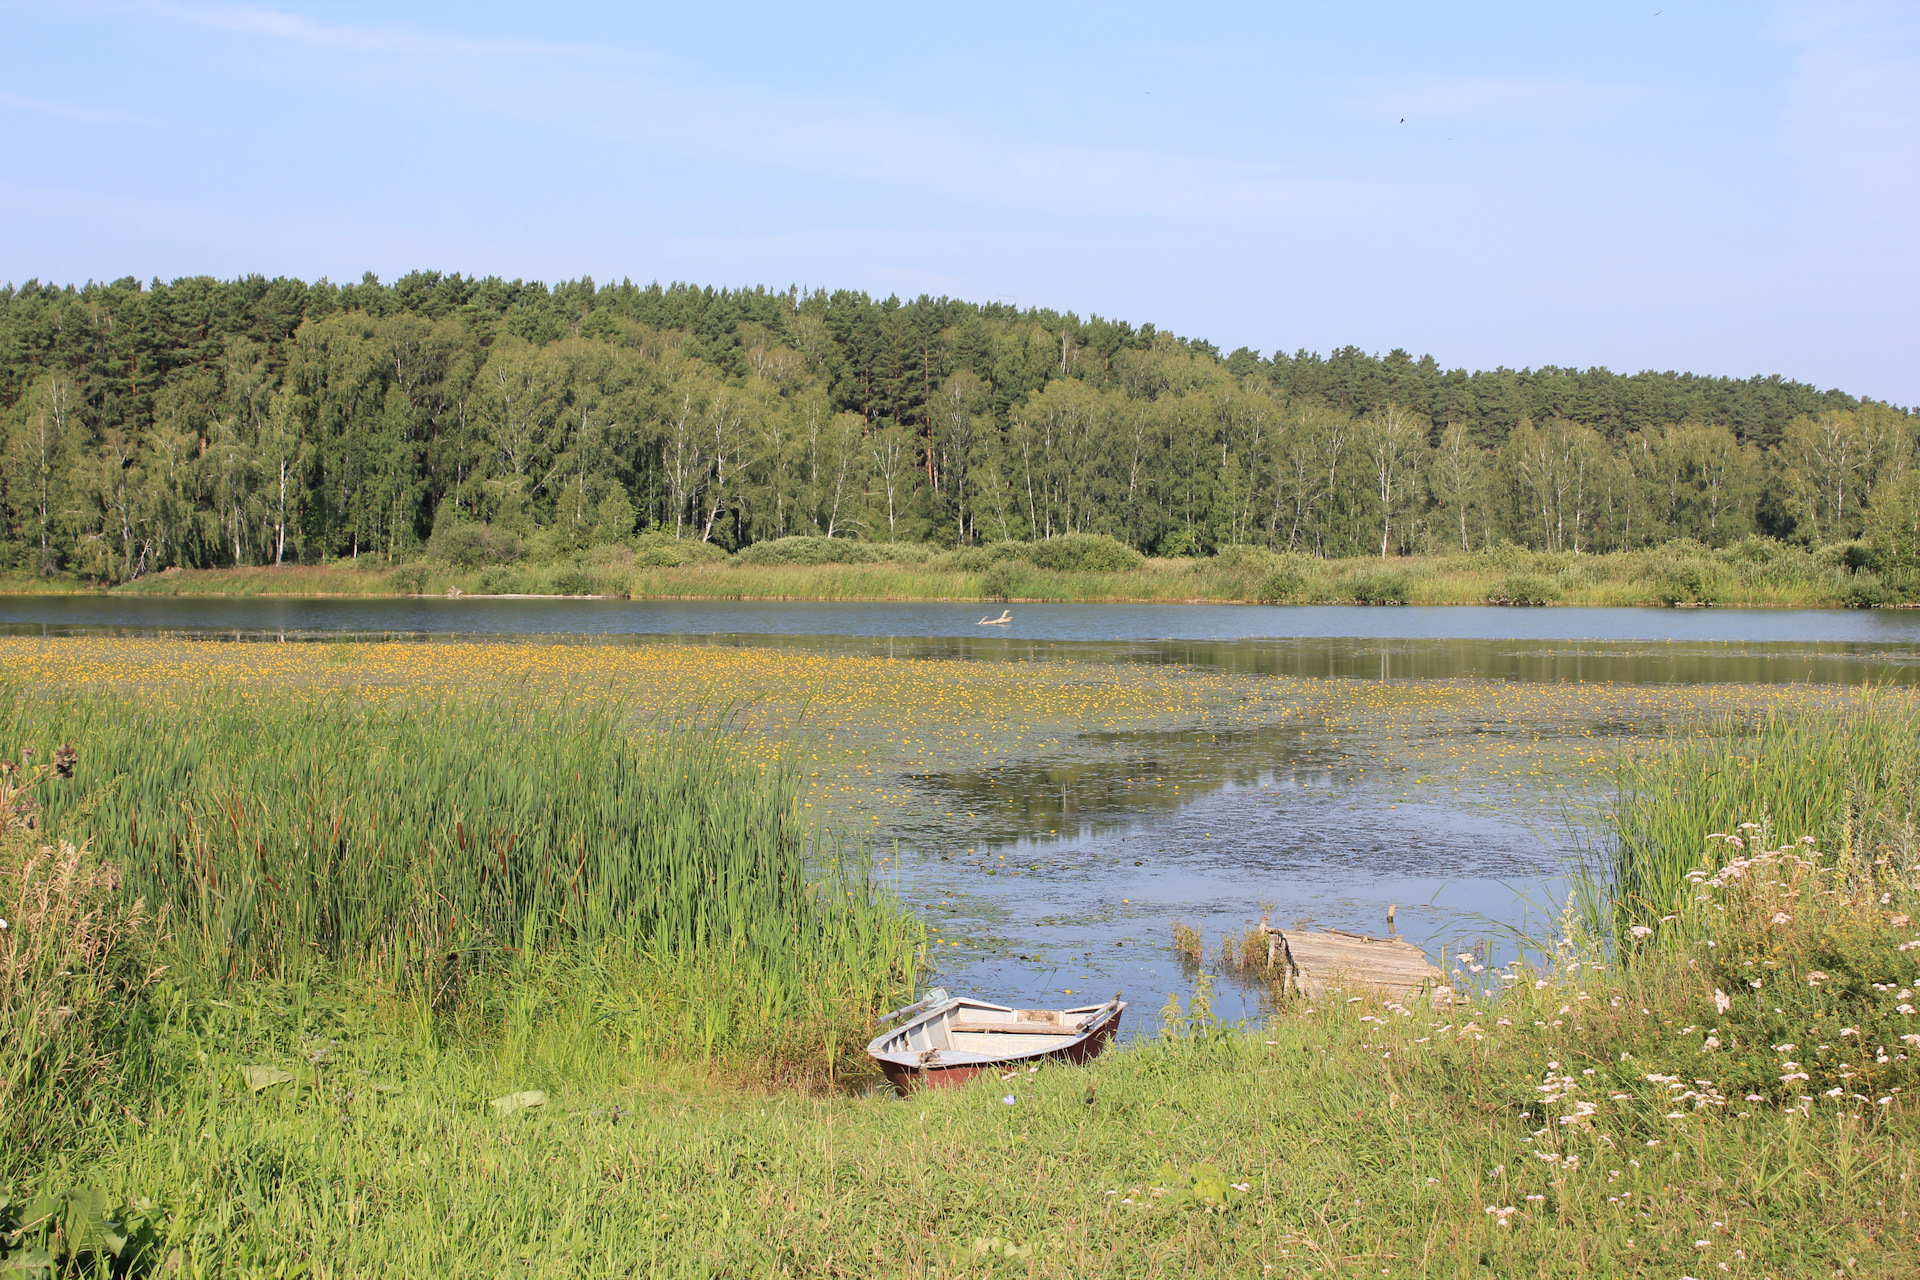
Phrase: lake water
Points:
(1074, 893)
(54, 614)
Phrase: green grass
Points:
(1361, 1145)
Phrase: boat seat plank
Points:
(1003, 1047)
(1014, 1029)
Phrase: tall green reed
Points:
(1848, 776)
(418, 842)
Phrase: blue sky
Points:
(1728, 188)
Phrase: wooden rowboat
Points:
(957, 1039)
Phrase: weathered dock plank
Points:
(1315, 962)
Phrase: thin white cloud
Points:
(295, 28)
(636, 98)
(1480, 97)
(73, 111)
(960, 164)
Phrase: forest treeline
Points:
(208, 423)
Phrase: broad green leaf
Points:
(260, 1077)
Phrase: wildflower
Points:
(1781, 917)
(1638, 931)
(1008, 1099)
(1721, 1000)
(1500, 1215)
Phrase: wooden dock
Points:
(1314, 963)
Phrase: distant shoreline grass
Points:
(1752, 574)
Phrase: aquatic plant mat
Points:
(895, 746)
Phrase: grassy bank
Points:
(1752, 573)
(1563, 1131)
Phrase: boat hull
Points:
(934, 1075)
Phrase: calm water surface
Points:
(1076, 891)
(1109, 622)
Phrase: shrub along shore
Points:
(1078, 568)
(231, 1049)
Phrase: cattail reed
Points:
(1848, 777)
(396, 841)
